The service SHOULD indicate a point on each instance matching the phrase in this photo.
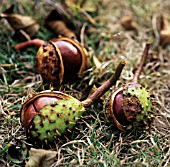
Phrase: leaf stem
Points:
(142, 61)
(105, 87)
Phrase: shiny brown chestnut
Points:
(130, 104)
(61, 60)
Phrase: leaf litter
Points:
(96, 142)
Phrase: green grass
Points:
(97, 142)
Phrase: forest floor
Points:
(98, 142)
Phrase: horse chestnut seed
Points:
(61, 60)
(129, 105)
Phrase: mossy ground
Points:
(97, 142)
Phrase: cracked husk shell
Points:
(61, 60)
(49, 115)
(129, 105)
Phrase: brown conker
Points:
(131, 104)
(61, 60)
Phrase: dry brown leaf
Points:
(57, 21)
(60, 28)
(164, 32)
(22, 25)
(127, 22)
(40, 158)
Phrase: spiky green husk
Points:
(145, 102)
(55, 120)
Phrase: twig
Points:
(142, 61)
(35, 42)
(103, 88)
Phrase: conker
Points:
(130, 104)
(61, 60)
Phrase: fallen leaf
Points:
(23, 26)
(60, 28)
(41, 158)
(128, 23)
(164, 31)
(57, 21)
